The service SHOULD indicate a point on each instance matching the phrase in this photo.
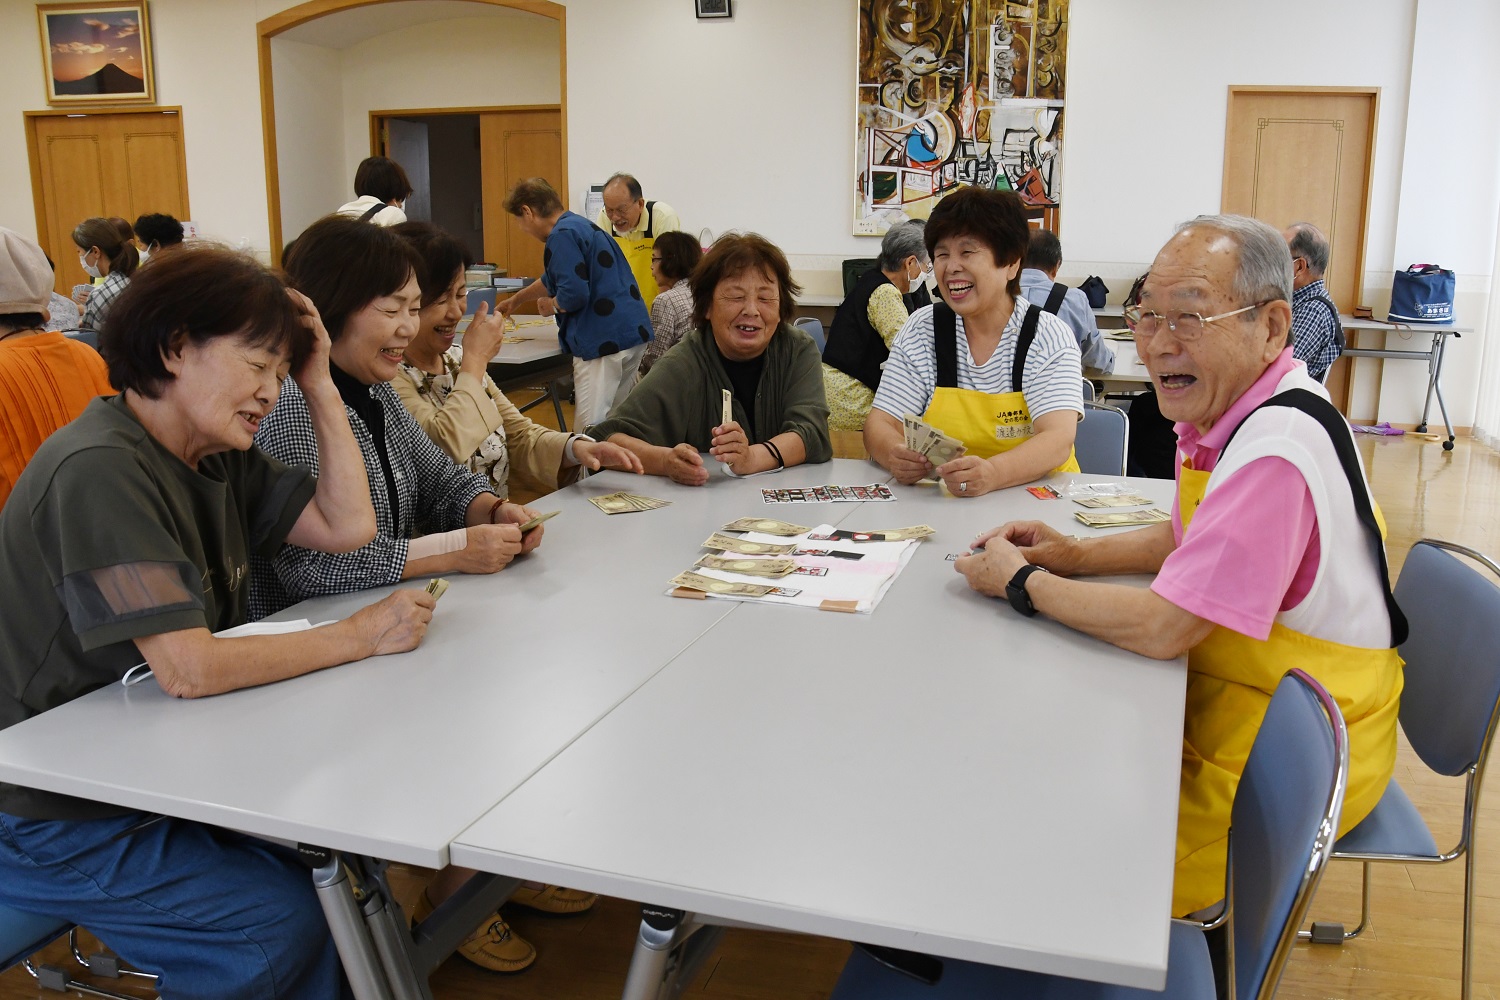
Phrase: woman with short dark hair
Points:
(982, 365)
(128, 538)
(381, 188)
(673, 257)
(104, 253)
(742, 343)
(431, 515)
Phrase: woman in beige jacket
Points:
(460, 407)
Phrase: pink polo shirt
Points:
(1253, 551)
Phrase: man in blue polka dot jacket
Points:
(586, 282)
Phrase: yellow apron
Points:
(637, 251)
(1230, 681)
(987, 423)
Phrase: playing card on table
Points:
(1112, 501)
(767, 526)
(728, 407)
(748, 566)
(728, 543)
(1122, 517)
(707, 584)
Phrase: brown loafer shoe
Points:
(553, 899)
(493, 945)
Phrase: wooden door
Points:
(102, 164)
(1305, 155)
(514, 145)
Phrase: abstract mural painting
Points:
(954, 92)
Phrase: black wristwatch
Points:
(1015, 591)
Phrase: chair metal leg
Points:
(1328, 932)
(102, 963)
(1471, 872)
(562, 424)
(50, 977)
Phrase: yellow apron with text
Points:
(637, 251)
(987, 423)
(1230, 681)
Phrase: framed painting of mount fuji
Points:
(96, 52)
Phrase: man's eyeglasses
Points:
(1186, 326)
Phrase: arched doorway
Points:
(302, 16)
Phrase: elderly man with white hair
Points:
(1273, 557)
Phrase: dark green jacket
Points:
(681, 397)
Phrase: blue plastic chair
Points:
(1089, 395)
(1102, 440)
(1289, 799)
(476, 296)
(23, 934)
(814, 328)
(1449, 711)
(90, 337)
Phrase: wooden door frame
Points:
(375, 116)
(311, 10)
(1371, 92)
(34, 154)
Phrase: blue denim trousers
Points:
(214, 914)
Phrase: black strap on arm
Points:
(650, 220)
(1337, 428)
(1338, 326)
(373, 211)
(945, 345)
(1055, 297)
(1023, 345)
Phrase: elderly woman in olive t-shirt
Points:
(128, 537)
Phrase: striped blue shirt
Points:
(1052, 379)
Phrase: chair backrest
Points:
(1089, 396)
(854, 269)
(814, 328)
(476, 296)
(1452, 654)
(1102, 440)
(1282, 827)
(24, 934)
(90, 337)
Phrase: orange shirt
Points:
(45, 381)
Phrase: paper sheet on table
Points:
(850, 585)
(141, 671)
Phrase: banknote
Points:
(741, 546)
(766, 525)
(728, 408)
(1122, 517)
(902, 534)
(437, 587)
(773, 568)
(626, 503)
(1112, 501)
(707, 584)
(535, 521)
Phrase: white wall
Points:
(310, 134)
(471, 62)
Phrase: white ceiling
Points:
(348, 28)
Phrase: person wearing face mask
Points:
(381, 188)
(982, 365)
(742, 341)
(867, 322)
(432, 516)
(447, 390)
(157, 232)
(104, 253)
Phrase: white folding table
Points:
(942, 776)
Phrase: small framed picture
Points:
(96, 53)
(714, 8)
